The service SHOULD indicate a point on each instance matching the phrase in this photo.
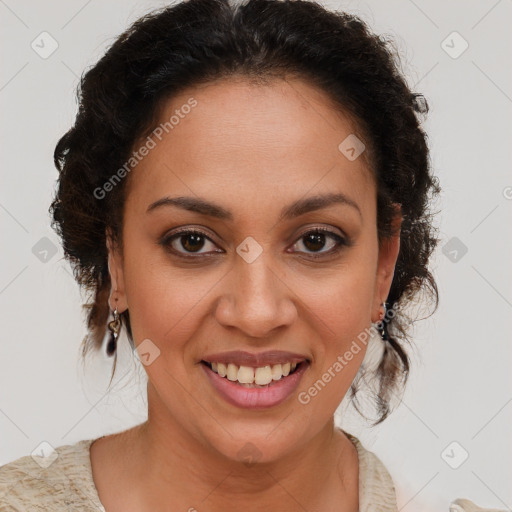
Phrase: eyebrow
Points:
(296, 209)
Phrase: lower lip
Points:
(256, 398)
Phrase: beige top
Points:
(67, 483)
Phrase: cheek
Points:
(342, 299)
(342, 317)
(342, 309)
(164, 300)
(347, 314)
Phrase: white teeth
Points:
(246, 375)
(276, 372)
(263, 376)
(221, 369)
(232, 372)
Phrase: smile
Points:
(255, 388)
(259, 376)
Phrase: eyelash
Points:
(340, 241)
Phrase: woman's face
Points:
(255, 276)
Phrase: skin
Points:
(253, 150)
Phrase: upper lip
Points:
(242, 358)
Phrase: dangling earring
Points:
(382, 311)
(114, 327)
(381, 324)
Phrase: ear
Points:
(388, 254)
(115, 268)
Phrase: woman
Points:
(246, 191)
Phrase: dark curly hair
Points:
(197, 41)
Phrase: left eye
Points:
(315, 239)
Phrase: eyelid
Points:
(323, 229)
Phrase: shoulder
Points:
(59, 477)
(376, 487)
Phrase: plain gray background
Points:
(460, 388)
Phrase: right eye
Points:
(191, 240)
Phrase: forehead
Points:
(234, 138)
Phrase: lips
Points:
(242, 358)
(259, 397)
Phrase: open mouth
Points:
(261, 377)
(274, 387)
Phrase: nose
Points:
(256, 299)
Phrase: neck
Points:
(178, 467)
